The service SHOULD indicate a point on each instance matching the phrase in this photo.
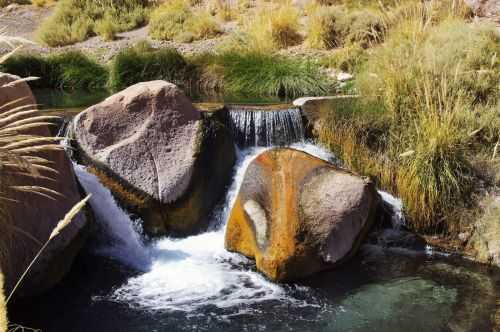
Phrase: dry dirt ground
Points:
(23, 20)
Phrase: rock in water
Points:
(158, 155)
(296, 214)
(32, 217)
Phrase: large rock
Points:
(296, 214)
(485, 8)
(484, 244)
(158, 155)
(27, 223)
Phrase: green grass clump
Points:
(143, 63)
(69, 71)
(76, 20)
(272, 75)
(177, 20)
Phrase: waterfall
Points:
(259, 127)
(123, 242)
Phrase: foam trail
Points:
(125, 243)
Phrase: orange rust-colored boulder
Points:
(296, 214)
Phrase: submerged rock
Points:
(27, 222)
(158, 155)
(296, 214)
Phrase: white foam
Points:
(397, 218)
(315, 150)
(197, 271)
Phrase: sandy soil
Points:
(23, 20)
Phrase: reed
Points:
(63, 223)
(3, 307)
(19, 157)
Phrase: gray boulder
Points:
(158, 155)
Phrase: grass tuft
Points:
(143, 63)
(269, 29)
(71, 70)
(177, 20)
(257, 74)
(75, 20)
(325, 27)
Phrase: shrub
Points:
(73, 20)
(258, 74)
(39, 3)
(167, 21)
(432, 79)
(330, 27)
(106, 28)
(176, 20)
(71, 70)
(364, 27)
(326, 28)
(463, 53)
(143, 63)
(348, 58)
(268, 29)
(225, 10)
(202, 25)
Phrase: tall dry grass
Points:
(435, 80)
(3, 307)
(181, 21)
(19, 157)
(268, 28)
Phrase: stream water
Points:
(126, 282)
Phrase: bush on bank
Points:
(76, 20)
(69, 71)
(143, 63)
(435, 80)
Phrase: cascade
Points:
(259, 127)
(196, 272)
